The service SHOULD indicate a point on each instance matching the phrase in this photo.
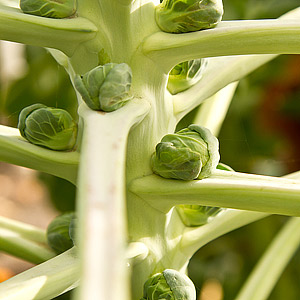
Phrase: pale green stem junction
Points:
(45, 281)
(16, 150)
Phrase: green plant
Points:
(128, 227)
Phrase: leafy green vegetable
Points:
(49, 8)
(48, 127)
(177, 16)
(105, 87)
(58, 233)
(189, 154)
(169, 284)
(185, 75)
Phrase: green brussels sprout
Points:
(58, 233)
(191, 153)
(197, 215)
(105, 87)
(169, 285)
(177, 16)
(48, 127)
(49, 8)
(185, 75)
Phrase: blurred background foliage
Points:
(261, 134)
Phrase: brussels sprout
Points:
(49, 8)
(185, 75)
(48, 127)
(191, 153)
(58, 233)
(197, 215)
(178, 16)
(105, 87)
(169, 285)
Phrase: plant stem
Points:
(220, 72)
(271, 265)
(15, 244)
(228, 220)
(16, 150)
(25, 230)
(101, 201)
(61, 34)
(45, 281)
(228, 38)
(212, 112)
(223, 189)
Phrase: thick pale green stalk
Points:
(101, 201)
(271, 265)
(16, 150)
(228, 220)
(223, 189)
(45, 281)
(24, 241)
(220, 72)
(62, 34)
(25, 230)
(212, 112)
(228, 38)
(15, 244)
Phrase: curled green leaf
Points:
(178, 16)
(191, 153)
(58, 233)
(105, 87)
(57, 9)
(171, 285)
(48, 127)
(185, 75)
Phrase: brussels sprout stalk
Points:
(119, 199)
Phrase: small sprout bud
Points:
(49, 8)
(191, 153)
(58, 233)
(105, 87)
(185, 75)
(177, 16)
(197, 215)
(169, 284)
(48, 127)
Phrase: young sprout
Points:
(49, 8)
(197, 215)
(185, 75)
(191, 153)
(169, 285)
(58, 233)
(105, 87)
(48, 127)
(177, 16)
